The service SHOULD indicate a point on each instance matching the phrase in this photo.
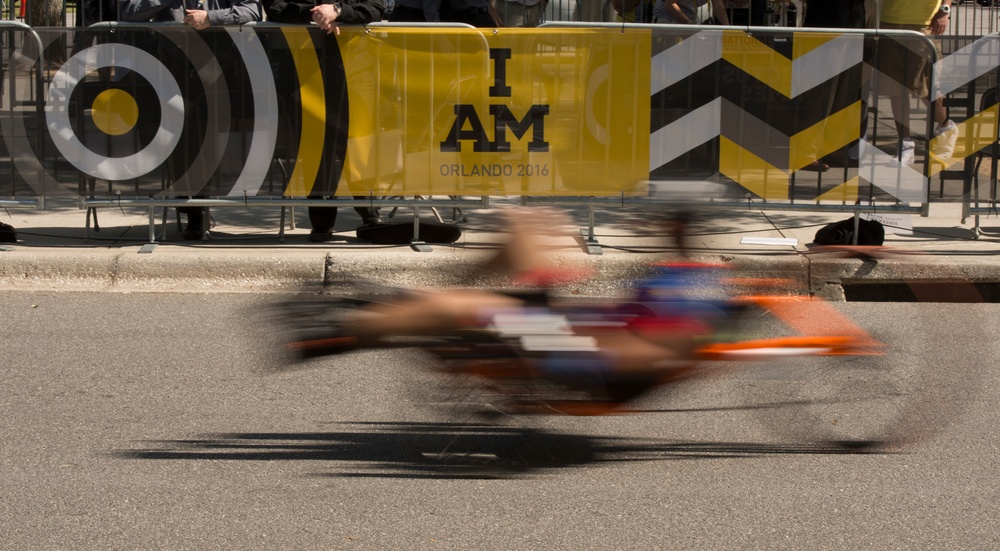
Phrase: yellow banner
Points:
(515, 112)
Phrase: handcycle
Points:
(811, 373)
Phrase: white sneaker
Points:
(943, 143)
(907, 151)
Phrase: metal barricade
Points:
(973, 18)
(969, 78)
(756, 109)
(158, 114)
(20, 107)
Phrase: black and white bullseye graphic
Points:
(114, 111)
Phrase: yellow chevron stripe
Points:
(825, 137)
(313, 101)
(803, 43)
(758, 60)
(846, 192)
(752, 172)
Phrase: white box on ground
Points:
(786, 241)
(895, 223)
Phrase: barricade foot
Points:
(420, 246)
(590, 242)
(92, 212)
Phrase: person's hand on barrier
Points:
(495, 14)
(677, 14)
(197, 19)
(719, 12)
(939, 24)
(325, 15)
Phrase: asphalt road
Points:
(143, 421)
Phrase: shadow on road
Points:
(462, 450)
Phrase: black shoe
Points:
(194, 232)
(373, 220)
(195, 229)
(320, 236)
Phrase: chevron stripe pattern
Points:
(773, 106)
(554, 115)
(766, 101)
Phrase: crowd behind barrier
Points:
(556, 115)
(969, 17)
(741, 12)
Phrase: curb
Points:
(314, 270)
(945, 254)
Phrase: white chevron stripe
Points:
(265, 114)
(826, 61)
(680, 136)
(704, 48)
(965, 65)
(886, 173)
(681, 61)
(883, 87)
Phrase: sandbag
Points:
(870, 232)
(7, 233)
(400, 232)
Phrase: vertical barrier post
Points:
(416, 244)
(593, 247)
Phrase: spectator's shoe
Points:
(907, 152)
(194, 234)
(816, 166)
(195, 228)
(320, 236)
(194, 231)
(943, 143)
(372, 220)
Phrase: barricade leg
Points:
(415, 243)
(589, 239)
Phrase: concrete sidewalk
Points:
(245, 254)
